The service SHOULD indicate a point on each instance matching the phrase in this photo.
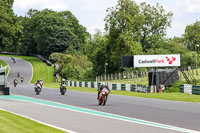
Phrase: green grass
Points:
(11, 123)
(40, 69)
(4, 64)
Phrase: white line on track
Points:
(143, 122)
(66, 130)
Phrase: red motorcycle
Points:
(103, 96)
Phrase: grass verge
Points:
(11, 123)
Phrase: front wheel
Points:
(62, 91)
(105, 100)
(38, 90)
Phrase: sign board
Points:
(3, 75)
(156, 60)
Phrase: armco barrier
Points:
(125, 87)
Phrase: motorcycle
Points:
(18, 74)
(63, 89)
(22, 79)
(103, 96)
(38, 89)
(15, 83)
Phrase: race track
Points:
(179, 114)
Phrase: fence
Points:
(133, 77)
(125, 87)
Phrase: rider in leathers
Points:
(101, 88)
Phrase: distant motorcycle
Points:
(63, 89)
(14, 61)
(22, 79)
(18, 74)
(38, 89)
(103, 96)
(15, 82)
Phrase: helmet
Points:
(63, 79)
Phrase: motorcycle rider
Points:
(63, 83)
(13, 59)
(101, 88)
(15, 82)
(18, 74)
(22, 79)
(38, 83)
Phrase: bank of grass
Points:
(11, 123)
(4, 64)
(41, 70)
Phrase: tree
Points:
(133, 29)
(123, 24)
(74, 67)
(95, 50)
(10, 30)
(48, 31)
(192, 35)
(155, 23)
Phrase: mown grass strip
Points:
(11, 123)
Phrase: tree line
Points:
(130, 29)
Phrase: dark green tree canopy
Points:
(192, 35)
(48, 31)
(10, 30)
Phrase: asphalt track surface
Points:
(179, 114)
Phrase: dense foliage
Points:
(131, 29)
(10, 29)
(48, 31)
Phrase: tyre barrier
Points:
(4, 90)
(190, 89)
(124, 87)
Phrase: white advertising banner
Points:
(156, 60)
